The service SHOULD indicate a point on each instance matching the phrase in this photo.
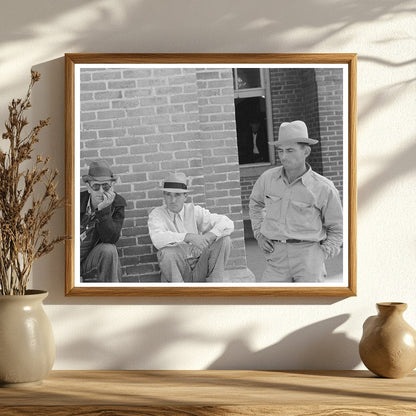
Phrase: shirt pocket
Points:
(273, 207)
(304, 216)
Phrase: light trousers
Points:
(295, 262)
(178, 265)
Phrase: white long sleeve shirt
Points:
(164, 230)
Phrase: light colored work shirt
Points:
(307, 209)
(167, 228)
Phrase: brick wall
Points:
(330, 101)
(147, 122)
(246, 187)
(311, 116)
(220, 153)
(294, 97)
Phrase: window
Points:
(247, 79)
(253, 115)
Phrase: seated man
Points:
(102, 216)
(194, 245)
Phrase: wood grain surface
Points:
(204, 393)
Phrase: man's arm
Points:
(332, 220)
(210, 228)
(160, 234)
(256, 213)
(256, 206)
(212, 224)
(199, 241)
(110, 221)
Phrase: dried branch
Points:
(24, 217)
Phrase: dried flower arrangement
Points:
(28, 199)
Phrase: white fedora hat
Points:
(175, 182)
(294, 132)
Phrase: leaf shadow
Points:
(316, 346)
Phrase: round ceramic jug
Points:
(27, 347)
(388, 345)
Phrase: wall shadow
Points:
(48, 96)
(77, 26)
(138, 347)
(316, 346)
(250, 20)
(149, 345)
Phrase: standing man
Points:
(102, 216)
(296, 214)
(194, 245)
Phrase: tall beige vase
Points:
(388, 345)
(27, 346)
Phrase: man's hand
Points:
(211, 237)
(265, 244)
(200, 241)
(195, 251)
(196, 240)
(108, 198)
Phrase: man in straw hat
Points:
(296, 214)
(193, 244)
(102, 216)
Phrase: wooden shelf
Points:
(203, 393)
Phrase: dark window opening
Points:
(250, 114)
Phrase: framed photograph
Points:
(211, 174)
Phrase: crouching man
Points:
(193, 244)
(102, 216)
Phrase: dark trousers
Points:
(101, 265)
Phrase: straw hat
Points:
(175, 182)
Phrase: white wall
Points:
(199, 333)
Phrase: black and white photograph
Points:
(210, 175)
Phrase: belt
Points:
(290, 240)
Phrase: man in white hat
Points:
(193, 244)
(296, 214)
(102, 217)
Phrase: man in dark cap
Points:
(296, 214)
(102, 216)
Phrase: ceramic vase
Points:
(27, 347)
(388, 345)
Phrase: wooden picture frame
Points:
(93, 82)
